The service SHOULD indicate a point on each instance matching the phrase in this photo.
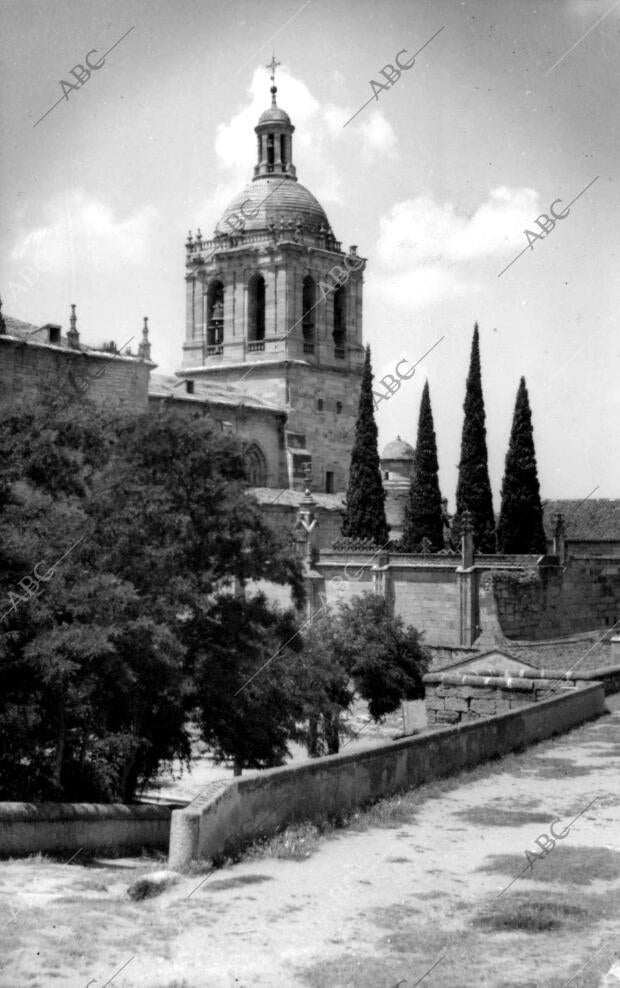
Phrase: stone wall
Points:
(498, 598)
(552, 601)
(422, 589)
(453, 699)
(243, 809)
(32, 828)
(26, 368)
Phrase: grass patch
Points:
(496, 816)
(530, 914)
(559, 768)
(568, 865)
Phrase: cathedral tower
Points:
(274, 306)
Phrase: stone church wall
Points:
(27, 369)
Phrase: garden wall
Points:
(241, 809)
(553, 601)
(454, 698)
(30, 828)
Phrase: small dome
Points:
(274, 115)
(398, 449)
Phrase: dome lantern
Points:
(274, 132)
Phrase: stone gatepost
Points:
(559, 537)
(382, 580)
(307, 524)
(467, 579)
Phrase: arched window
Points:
(256, 308)
(340, 329)
(215, 313)
(308, 309)
(270, 152)
(256, 465)
(283, 151)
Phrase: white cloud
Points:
(425, 248)
(378, 137)
(421, 231)
(82, 231)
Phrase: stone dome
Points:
(273, 199)
(274, 115)
(398, 449)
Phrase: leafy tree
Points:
(520, 527)
(424, 512)
(473, 492)
(136, 529)
(365, 501)
(360, 649)
(249, 703)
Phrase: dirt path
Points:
(369, 909)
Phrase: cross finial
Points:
(273, 64)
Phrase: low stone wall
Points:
(453, 697)
(238, 810)
(30, 828)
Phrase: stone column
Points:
(306, 525)
(467, 585)
(382, 580)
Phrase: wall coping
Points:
(495, 677)
(32, 812)
(505, 681)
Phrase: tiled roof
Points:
(290, 498)
(592, 520)
(581, 652)
(587, 651)
(20, 329)
(207, 390)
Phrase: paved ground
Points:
(368, 909)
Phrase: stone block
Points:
(457, 703)
(447, 717)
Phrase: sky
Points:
(510, 107)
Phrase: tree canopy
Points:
(122, 541)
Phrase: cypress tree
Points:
(423, 515)
(473, 492)
(365, 503)
(520, 527)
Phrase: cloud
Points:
(420, 231)
(377, 135)
(82, 231)
(425, 248)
